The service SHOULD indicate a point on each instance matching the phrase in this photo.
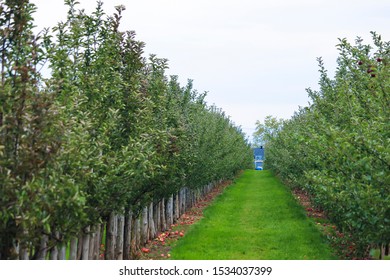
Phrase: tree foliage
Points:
(107, 131)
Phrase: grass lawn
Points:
(255, 218)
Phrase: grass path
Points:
(255, 218)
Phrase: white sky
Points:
(254, 57)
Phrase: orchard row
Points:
(90, 127)
(338, 148)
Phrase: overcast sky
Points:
(253, 57)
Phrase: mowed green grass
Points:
(255, 218)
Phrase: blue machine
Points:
(258, 154)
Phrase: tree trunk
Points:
(382, 250)
(182, 201)
(120, 238)
(111, 237)
(42, 251)
(96, 242)
(62, 252)
(152, 228)
(103, 237)
(195, 195)
(127, 237)
(156, 216)
(134, 232)
(139, 227)
(73, 249)
(169, 211)
(85, 250)
(54, 253)
(54, 250)
(162, 216)
(92, 242)
(79, 246)
(176, 208)
(188, 199)
(144, 224)
(23, 254)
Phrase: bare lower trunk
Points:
(120, 238)
(156, 215)
(85, 250)
(382, 251)
(111, 237)
(152, 228)
(62, 252)
(182, 201)
(194, 197)
(23, 254)
(176, 208)
(144, 225)
(54, 253)
(133, 240)
(135, 237)
(169, 211)
(162, 215)
(24, 251)
(102, 249)
(79, 246)
(42, 251)
(54, 250)
(73, 249)
(97, 242)
(92, 238)
(139, 227)
(188, 198)
(127, 236)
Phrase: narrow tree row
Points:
(338, 148)
(91, 129)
